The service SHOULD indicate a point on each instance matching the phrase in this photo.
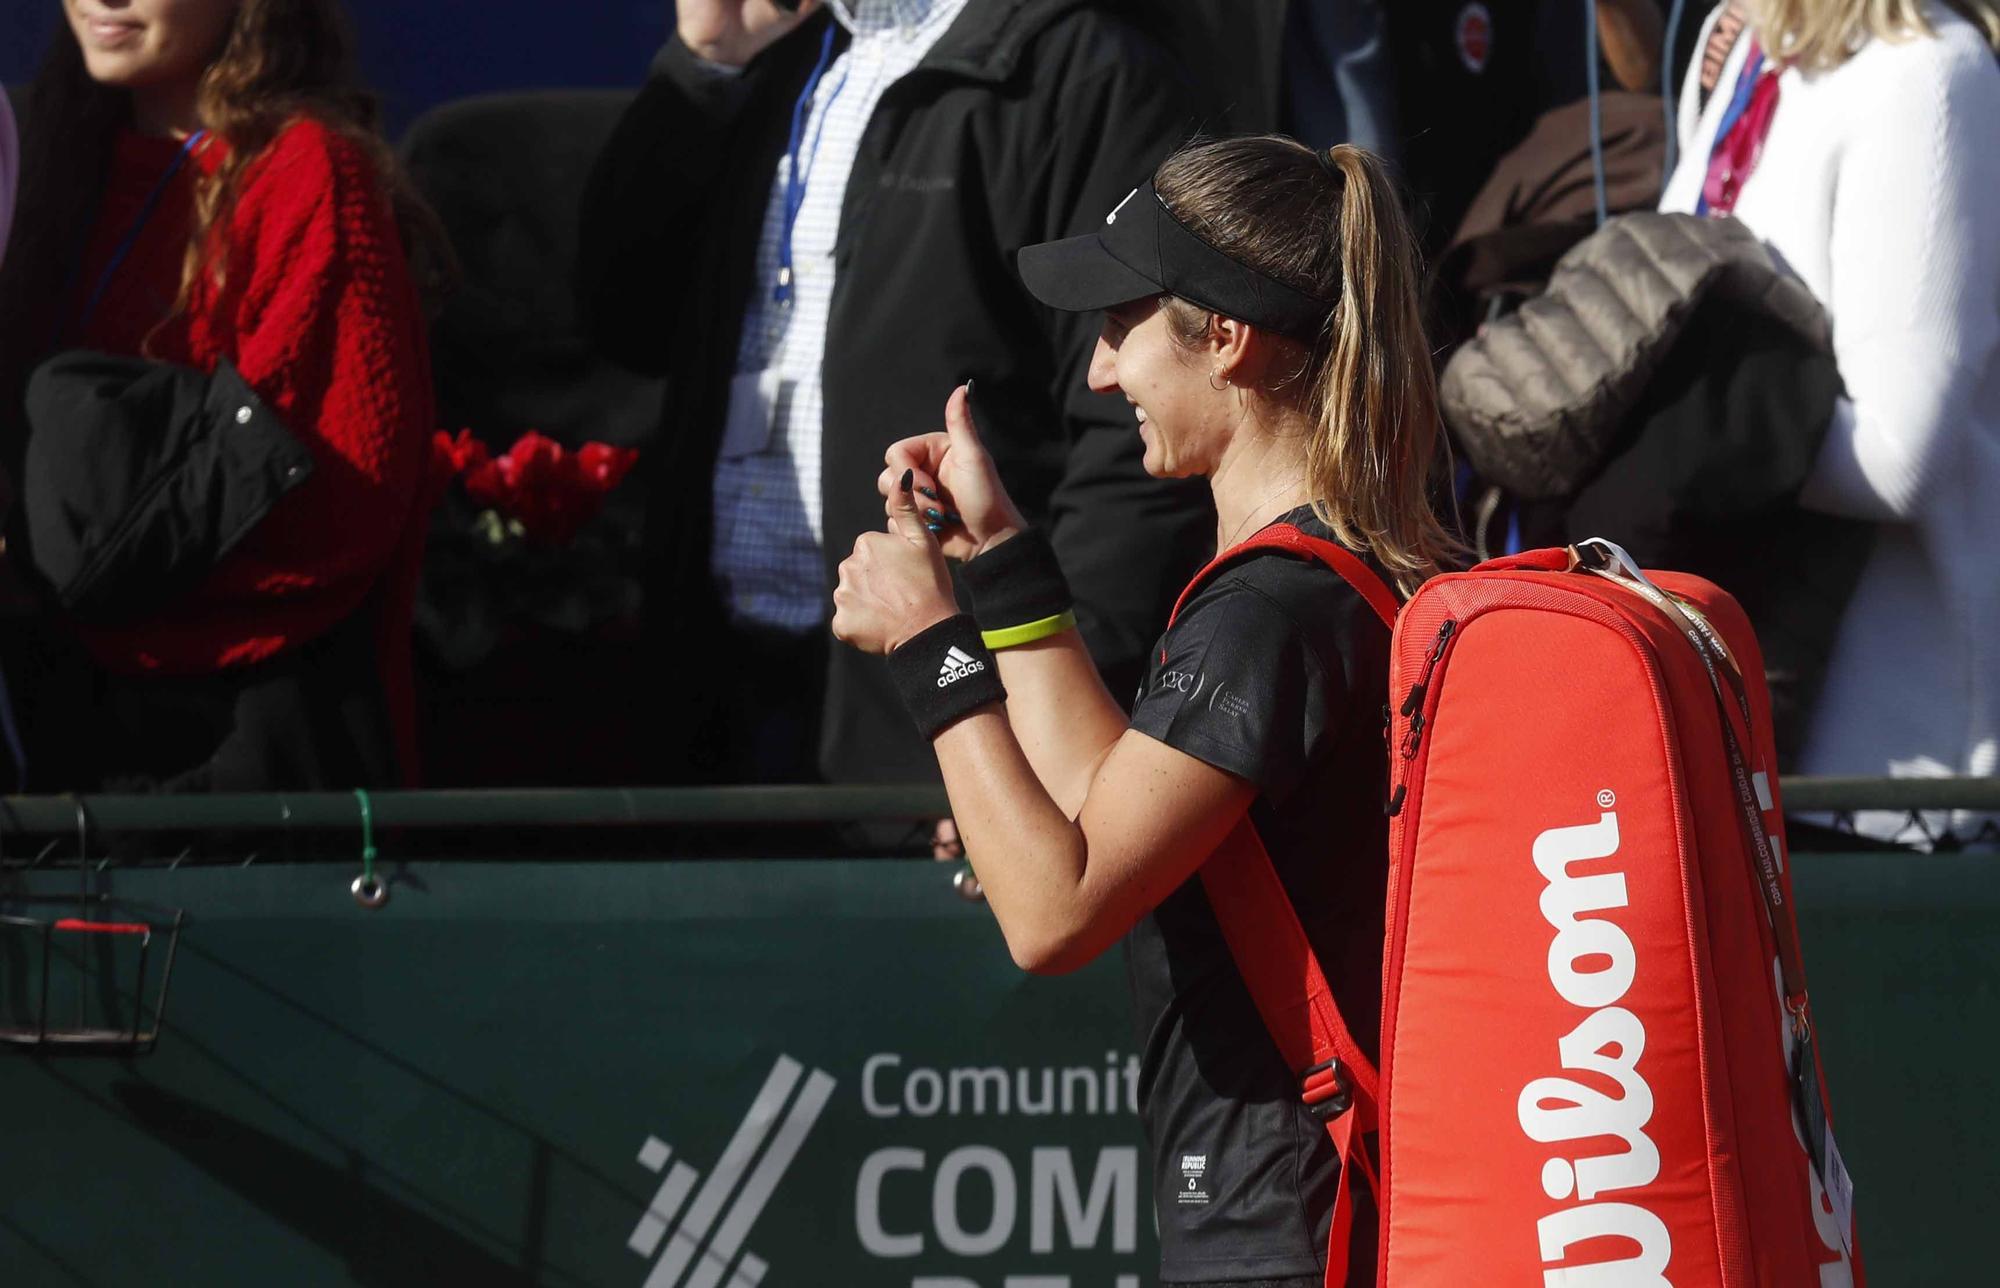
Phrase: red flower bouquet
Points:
(550, 493)
(524, 548)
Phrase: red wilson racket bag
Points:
(1598, 1063)
(1598, 1068)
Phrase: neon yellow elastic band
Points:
(1029, 632)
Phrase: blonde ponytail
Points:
(1375, 446)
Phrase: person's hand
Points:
(732, 32)
(895, 584)
(959, 491)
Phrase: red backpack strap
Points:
(1283, 536)
(1336, 1078)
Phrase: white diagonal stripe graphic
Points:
(750, 1134)
(763, 1182)
(749, 1271)
(958, 655)
(652, 1227)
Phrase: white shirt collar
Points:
(871, 17)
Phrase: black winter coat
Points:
(140, 477)
(1029, 120)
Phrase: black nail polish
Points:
(927, 492)
(933, 514)
(934, 528)
(968, 389)
(909, 477)
(952, 516)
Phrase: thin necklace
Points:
(1255, 510)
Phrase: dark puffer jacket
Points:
(1670, 391)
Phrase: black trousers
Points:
(750, 702)
(313, 718)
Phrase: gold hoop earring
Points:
(1211, 380)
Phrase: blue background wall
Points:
(420, 53)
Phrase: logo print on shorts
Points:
(1194, 1180)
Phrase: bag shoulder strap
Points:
(1283, 536)
(1269, 943)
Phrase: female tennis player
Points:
(1261, 317)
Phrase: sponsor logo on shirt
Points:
(1194, 1180)
(1229, 704)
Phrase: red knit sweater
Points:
(319, 314)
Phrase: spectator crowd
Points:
(525, 452)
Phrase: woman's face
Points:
(1183, 418)
(150, 44)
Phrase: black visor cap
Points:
(1144, 251)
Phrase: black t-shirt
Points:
(1277, 672)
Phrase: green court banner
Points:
(726, 1074)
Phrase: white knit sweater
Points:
(1880, 186)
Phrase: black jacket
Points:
(140, 476)
(1705, 477)
(1029, 120)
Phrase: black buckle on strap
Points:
(1327, 1098)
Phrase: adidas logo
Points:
(957, 665)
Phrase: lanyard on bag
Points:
(1816, 1127)
(1617, 566)
(123, 250)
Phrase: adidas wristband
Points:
(1017, 583)
(944, 673)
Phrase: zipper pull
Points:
(1413, 705)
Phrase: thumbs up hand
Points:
(959, 496)
(895, 585)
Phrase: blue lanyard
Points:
(796, 172)
(1739, 103)
(131, 238)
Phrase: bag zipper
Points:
(1413, 707)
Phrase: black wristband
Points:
(1016, 581)
(944, 673)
